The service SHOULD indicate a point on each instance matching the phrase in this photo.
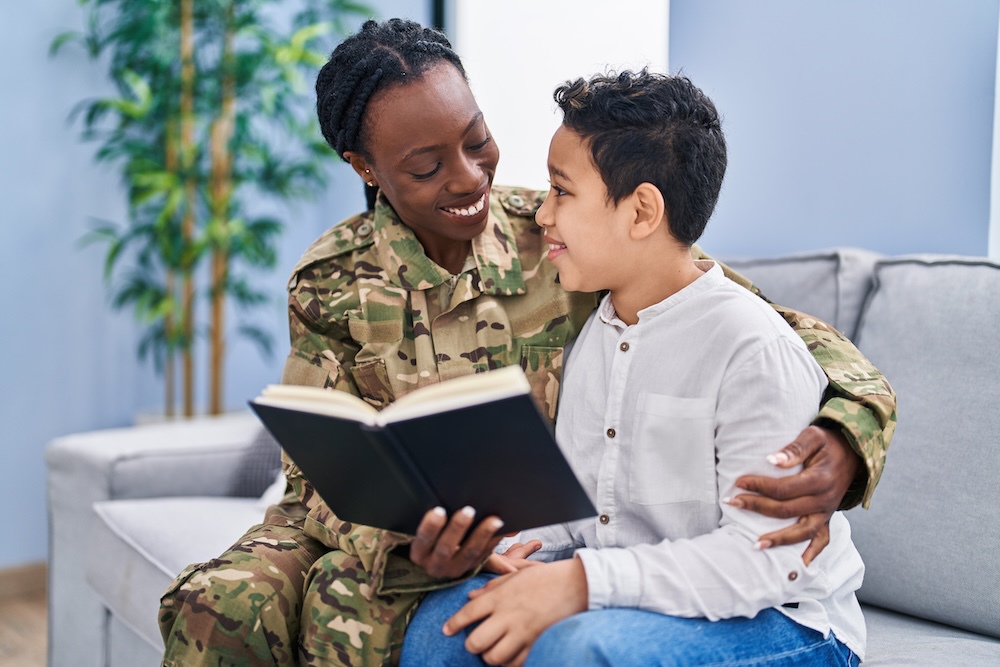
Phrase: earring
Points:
(371, 184)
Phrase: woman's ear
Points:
(650, 211)
(360, 166)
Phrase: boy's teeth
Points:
(472, 210)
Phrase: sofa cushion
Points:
(931, 539)
(258, 467)
(139, 546)
(829, 284)
(895, 639)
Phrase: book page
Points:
(458, 393)
(322, 401)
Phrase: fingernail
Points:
(439, 511)
(446, 631)
(468, 511)
(762, 544)
(777, 459)
(733, 502)
(497, 524)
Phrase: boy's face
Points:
(586, 233)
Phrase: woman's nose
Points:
(467, 176)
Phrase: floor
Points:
(22, 630)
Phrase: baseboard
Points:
(22, 580)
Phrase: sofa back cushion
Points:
(829, 284)
(932, 536)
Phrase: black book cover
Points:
(498, 457)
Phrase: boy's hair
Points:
(651, 128)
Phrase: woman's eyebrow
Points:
(428, 149)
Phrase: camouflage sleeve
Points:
(321, 354)
(859, 402)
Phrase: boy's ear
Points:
(650, 211)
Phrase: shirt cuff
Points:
(612, 577)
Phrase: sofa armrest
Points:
(199, 457)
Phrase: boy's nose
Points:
(542, 217)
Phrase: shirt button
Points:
(604, 518)
(611, 433)
(364, 229)
(515, 201)
(623, 347)
(793, 575)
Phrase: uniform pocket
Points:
(543, 367)
(673, 455)
(372, 380)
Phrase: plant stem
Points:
(187, 225)
(221, 189)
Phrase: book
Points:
(478, 440)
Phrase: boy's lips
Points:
(556, 248)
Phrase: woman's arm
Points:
(858, 412)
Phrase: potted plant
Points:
(208, 117)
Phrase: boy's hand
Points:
(516, 609)
(514, 559)
(813, 495)
(442, 548)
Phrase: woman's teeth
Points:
(472, 210)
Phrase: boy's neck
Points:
(656, 279)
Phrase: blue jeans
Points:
(631, 637)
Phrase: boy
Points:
(678, 384)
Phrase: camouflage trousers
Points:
(279, 597)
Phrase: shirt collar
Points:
(494, 252)
(711, 277)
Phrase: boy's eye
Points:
(428, 174)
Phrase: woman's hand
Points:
(446, 549)
(813, 495)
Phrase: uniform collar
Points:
(402, 256)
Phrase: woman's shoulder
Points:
(337, 247)
(518, 205)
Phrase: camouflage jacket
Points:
(369, 313)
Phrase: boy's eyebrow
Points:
(428, 149)
(556, 171)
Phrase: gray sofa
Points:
(129, 508)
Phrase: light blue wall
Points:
(850, 122)
(67, 362)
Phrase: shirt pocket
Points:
(372, 380)
(543, 367)
(673, 452)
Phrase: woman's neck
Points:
(449, 254)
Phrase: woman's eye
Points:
(558, 191)
(482, 145)
(428, 174)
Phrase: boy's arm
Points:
(859, 405)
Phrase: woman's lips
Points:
(470, 211)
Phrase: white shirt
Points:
(658, 420)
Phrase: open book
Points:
(478, 440)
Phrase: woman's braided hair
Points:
(379, 55)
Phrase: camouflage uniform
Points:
(372, 315)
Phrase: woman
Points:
(444, 276)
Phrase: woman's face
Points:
(432, 156)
